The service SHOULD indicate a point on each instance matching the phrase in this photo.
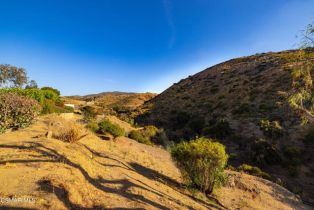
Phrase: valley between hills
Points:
(114, 150)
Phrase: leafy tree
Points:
(32, 85)
(11, 76)
(308, 36)
(302, 98)
(52, 89)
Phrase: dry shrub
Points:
(17, 111)
(65, 129)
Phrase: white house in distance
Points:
(70, 105)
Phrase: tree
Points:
(52, 89)
(32, 85)
(302, 96)
(308, 36)
(11, 76)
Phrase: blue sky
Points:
(90, 46)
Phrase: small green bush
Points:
(244, 109)
(106, 126)
(180, 119)
(253, 170)
(197, 124)
(218, 128)
(147, 135)
(293, 154)
(271, 129)
(201, 162)
(16, 111)
(68, 109)
(93, 126)
(150, 131)
(263, 152)
(49, 106)
(89, 112)
(57, 92)
(309, 137)
(138, 136)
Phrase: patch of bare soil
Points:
(41, 173)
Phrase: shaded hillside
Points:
(243, 103)
(46, 173)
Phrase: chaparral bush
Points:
(148, 135)
(17, 111)
(89, 112)
(202, 162)
(65, 130)
(37, 94)
(271, 129)
(253, 170)
(106, 126)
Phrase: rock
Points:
(48, 134)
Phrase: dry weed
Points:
(66, 130)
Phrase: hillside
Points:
(244, 103)
(115, 99)
(46, 173)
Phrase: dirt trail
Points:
(97, 174)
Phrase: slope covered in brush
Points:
(245, 103)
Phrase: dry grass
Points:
(96, 174)
(67, 130)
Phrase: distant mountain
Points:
(116, 99)
(108, 93)
(244, 104)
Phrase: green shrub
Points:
(57, 92)
(197, 124)
(253, 170)
(89, 112)
(271, 129)
(68, 109)
(201, 162)
(148, 135)
(244, 109)
(150, 131)
(106, 126)
(36, 94)
(93, 126)
(309, 137)
(17, 111)
(180, 119)
(139, 136)
(218, 128)
(293, 154)
(49, 106)
(263, 152)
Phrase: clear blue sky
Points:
(91, 46)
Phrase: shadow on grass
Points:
(51, 155)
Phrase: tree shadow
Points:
(155, 176)
(98, 183)
(63, 195)
(15, 208)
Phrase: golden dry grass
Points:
(67, 130)
(96, 174)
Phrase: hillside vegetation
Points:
(247, 104)
(51, 173)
